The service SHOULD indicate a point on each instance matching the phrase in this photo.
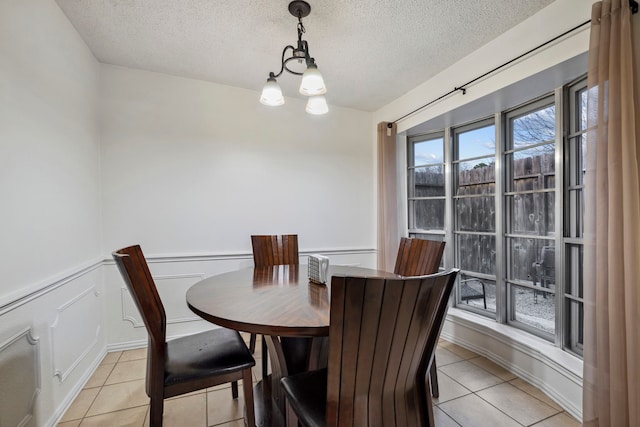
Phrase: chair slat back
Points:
(272, 250)
(418, 257)
(136, 274)
(382, 336)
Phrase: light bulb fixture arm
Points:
(299, 53)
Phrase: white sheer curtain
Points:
(612, 224)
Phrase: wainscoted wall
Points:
(20, 373)
(52, 333)
(75, 331)
(52, 340)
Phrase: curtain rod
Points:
(634, 9)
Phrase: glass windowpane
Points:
(582, 108)
(535, 127)
(532, 213)
(532, 260)
(477, 253)
(574, 263)
(477, 142)
(532, 169)
(428, 152)
(428, 181)
(575, 326)
(476, 177)
(476, 292)
(428, 214)
(475, 214)
(534, 307)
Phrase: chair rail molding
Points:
(11, 302)
(21, 378)
(75, 331)
(242, 255)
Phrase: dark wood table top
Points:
(276, 300)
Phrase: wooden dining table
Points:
(280, 303)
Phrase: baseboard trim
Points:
(75, 391)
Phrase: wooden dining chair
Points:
(185, 364)
(382, 338)
(270, 250)
(418, 257)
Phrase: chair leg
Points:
(292, 417)
(234, 389)
(265, 358)
(247, 389)
(252, 343)
(430, 416)
(433, 377)
(155, 411)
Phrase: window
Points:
(475, 215)
(530, 226)
(506, 192)
(426, 186)
(575, 160)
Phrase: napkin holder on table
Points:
(318, 268)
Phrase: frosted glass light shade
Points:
(312, 82)
(317, 105)
(271, 93)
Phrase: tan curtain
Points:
(612, 224)
(388, 235)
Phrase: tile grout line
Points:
(501, 382)
(528, 394)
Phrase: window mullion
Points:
(501, 261)
(558, 212)
(449, 254)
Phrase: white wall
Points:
(196, 167)
(50, 253)
(49, 164)
(191, 169)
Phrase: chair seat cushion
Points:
(201, 355)
(307, 394)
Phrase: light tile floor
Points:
(474, 392)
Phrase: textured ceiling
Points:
(370, 52)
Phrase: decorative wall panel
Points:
(75, 331)
(19, 378)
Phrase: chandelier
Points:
(312, 83)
